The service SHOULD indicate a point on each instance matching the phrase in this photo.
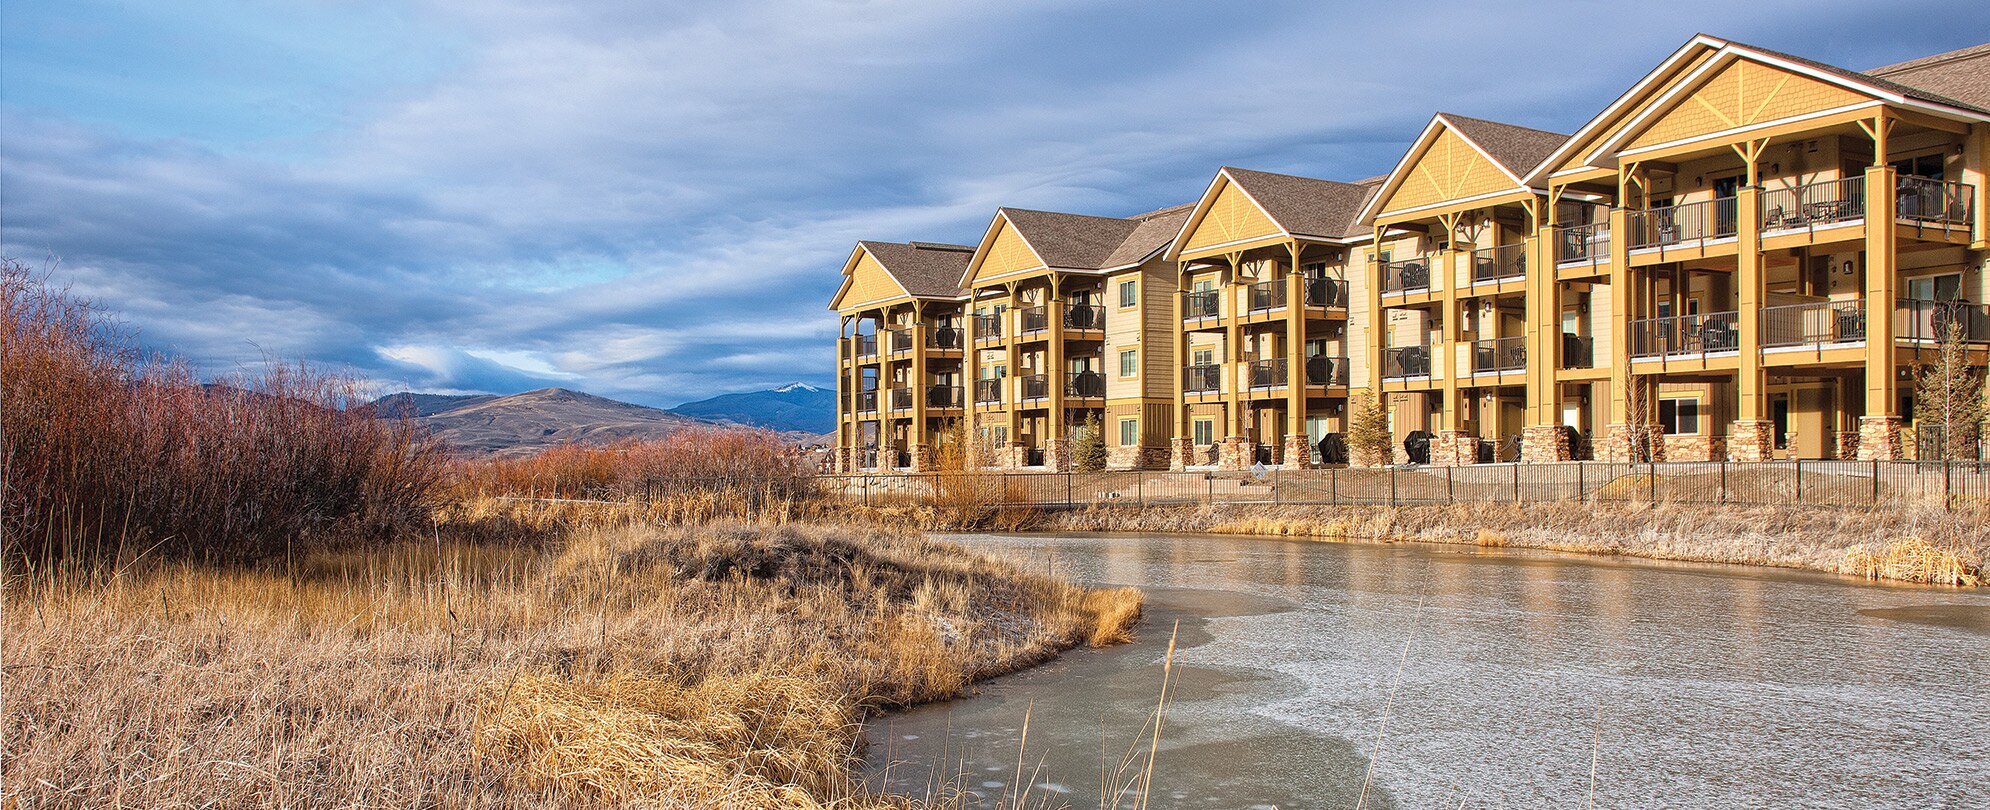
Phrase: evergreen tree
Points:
(1949, 398)
(1369, 443)
(1090, 453)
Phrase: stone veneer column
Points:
(1547, 443)
(1298, 453)
(922, 458)
(1751, 440)
(1879, 439)
(1846, 445)
(1236, 453)
(1454, 448)
(1057, 454)
(1181, 453)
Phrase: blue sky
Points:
(651, 201)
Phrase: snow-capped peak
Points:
(796, 386)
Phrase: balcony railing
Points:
(867, 345)
(1266, 295)
(1034, 386)
(1084, 316)
(1406, 361)
(1202, 379)
(901, 399)
(1813, 204)
(1499, 263)
(1266, 373)
(1813, 324)
(1578, 351)
(1034, 319)
(1499, 355)
(1703, 334)
(1202, 304)
(1324, 370)
(1405, 275)
(867, 401)
(943, 396)
(1922, 199)
(986, 391)
(987, 327)
(1583, 243)
(944, 337)
(1089, 384)
(1684, 224)
(1930, 321)
(1326, 292)
(900, 340)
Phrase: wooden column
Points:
(1053, 313)
(1233, 350)
(1012, 387)
(1446, 356)
(1183, 428)
(1295, 346)
(1750, 287)
(1882, 291)
(1544, 316)
(920, 328)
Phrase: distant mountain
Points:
(797, 407)
(532, 421)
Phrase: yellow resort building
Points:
(1743, 257)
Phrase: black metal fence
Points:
(1842, 484)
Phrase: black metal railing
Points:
(944, 337)
(1499, 355)
(1324, 370)
(1578, 351)
(988, 390)
(867, 401)
(1931, 321)
(900, 340)
(1268, 373)
(1706, 333)
(901, 399)
(1326, 292)
(1266, 295)
(987, 327)
(1812, 204)
(1583, 243)
(1685, 223)
(1405, 275)
(1923, 199)
(1202, 378)
(1033, 319)
(1202, 304)
(1034, 386)
(1499, 263)
(1406, 361)
(1087, 384)
(1084, 316)
(867, 345)
(943, 396)
(1813, 324)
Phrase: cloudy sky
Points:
(652, 200)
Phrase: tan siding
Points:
(1630, 112)
(1232, 217)
(870, 283)
(1007, 254)
(1158, 294)
(1451, 169)
(1742, 94)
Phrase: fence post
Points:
(1651, 467)
(1721, 496)
(1516, 482)
(1392, 487)
(1875, 482)
(1799, 468)
(1208, 489)
(1948, 479)
(1333, 486)
(1450, 485)
(1140, 488)
(867, 490)
(1277, 477)
(1581, 483)
(1068, 501)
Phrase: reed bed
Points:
(1912, 544)
(723, 665)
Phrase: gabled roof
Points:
(922, 269)
(1963, 75)
(1152, 235)
(1303, 206)
(1085, 242)
(1513, 149)
(1952, 83)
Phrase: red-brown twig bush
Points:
(694, 460)
(109, 452)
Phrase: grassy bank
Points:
(1928, 545)
(724, 665)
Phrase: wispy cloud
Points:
(650, 201)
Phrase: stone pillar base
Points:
(1879, 439)
(1298, 453)
(1236, 453)
(922, 458)
(1846, 445)
(1140, 457)
(1454, 448)
(1181, 453)
(1057, 455)
(1547, 443)
(1633, 443)
(1751, 440)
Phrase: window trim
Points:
(1126, 355)
(1199, 428)
(1675, 399)
(1125, 423)
(1129, 289)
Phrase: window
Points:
(1929, 166)
(1001, 434)
(1205, 432)
(1129, 363)
(1129, 293)
(1205, 285)
(1679, 416)
(1129, 432)
(1204, 357)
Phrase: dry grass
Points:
(1917, 544)
(728, 665)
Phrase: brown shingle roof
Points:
(1153, 231)
(1070, 240)
(1517, 148)
(1304, 206)
(1913, 92)
(1962, 74)
(924, 269)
